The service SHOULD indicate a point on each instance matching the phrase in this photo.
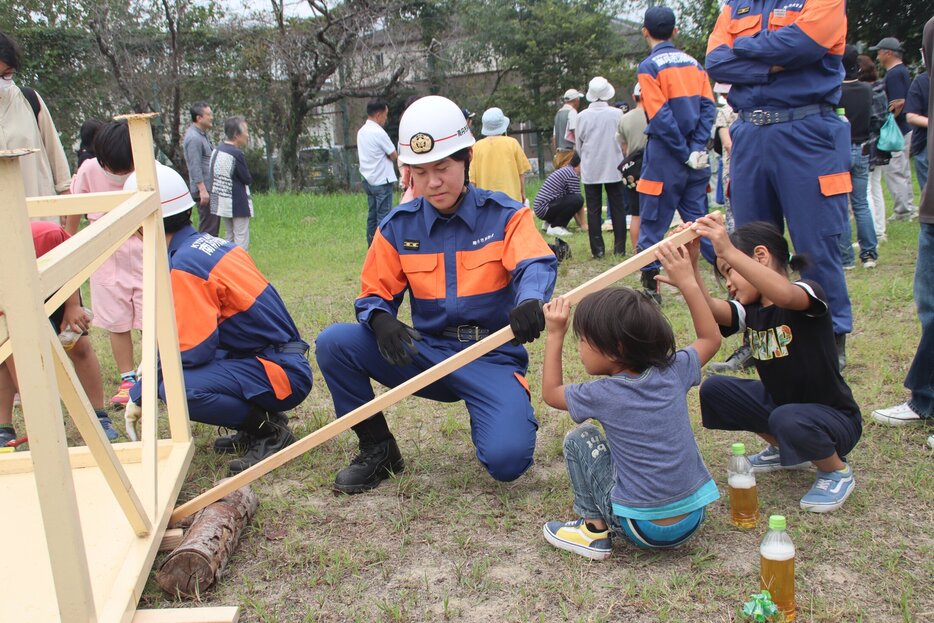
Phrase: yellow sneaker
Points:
(575, 536)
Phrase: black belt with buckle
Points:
(466, 333)
(286, 348)
(763, 116)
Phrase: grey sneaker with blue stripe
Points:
(829, 491)
(770, 460)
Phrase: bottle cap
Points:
(739, 449)
(841, 111)
(777, 522)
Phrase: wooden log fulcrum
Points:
(201, 557)
(420, 381)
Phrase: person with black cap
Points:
(681, 111)
(897, 172)
(791, 151)
(856, 103)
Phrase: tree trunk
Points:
(199, 561)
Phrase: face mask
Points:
(113, 177)
(6, 84)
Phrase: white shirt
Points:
(373, 149)
(596, 144)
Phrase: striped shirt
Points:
(560, 183)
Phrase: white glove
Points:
(697, 160)
(132, 415)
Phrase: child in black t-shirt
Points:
(801, 406)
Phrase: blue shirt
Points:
(657, 462)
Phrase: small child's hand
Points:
(557, 316)
(712, 228)
(678, 265)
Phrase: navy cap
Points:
(659, 20)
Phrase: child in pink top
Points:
(117, 286)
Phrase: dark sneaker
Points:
(650, 286)
(108, 427)
(769, 460)
(739, 360)
(374, 464)
(7, 435)
(262, 447)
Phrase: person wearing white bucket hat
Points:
(600, 156)
(243, 360)
(498, 160)
(472, 262)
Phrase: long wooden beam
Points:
(60, 205)
(420, 381)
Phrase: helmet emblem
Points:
(422, 143)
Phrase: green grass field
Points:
(444, 542)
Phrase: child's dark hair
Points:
(761, 233)
(112, 146)
(627, 327)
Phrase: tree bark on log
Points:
(201, 558)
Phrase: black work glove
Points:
(395, 339)
(527, 320)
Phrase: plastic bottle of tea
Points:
(744, 497)
(777, 566)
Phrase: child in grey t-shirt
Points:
(644, 477)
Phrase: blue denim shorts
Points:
(648, 535)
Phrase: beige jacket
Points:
(45, 172)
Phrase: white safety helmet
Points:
(432, 129)
(173, 190)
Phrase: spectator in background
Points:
(856, 101)
(198, 149)
(562, 140)
(631, 136)
(877, 159)
(916, 113)
(498, 160)
(86, 148)
(376, 153)
(117, 285)
(920, 380)
(25, 122)
(897, 172)
(559, 198)
(230, 183)
(600, 156)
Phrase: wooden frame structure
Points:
(83, 524)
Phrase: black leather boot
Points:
(239, 442)
(650, 286)
(376, 462)
(271, 435)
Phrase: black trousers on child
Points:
(562, 210)
(805, 432)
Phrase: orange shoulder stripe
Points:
(523, 241)
(720, 35)
(197, 309)
(683, 81)
(382, 274)
(824, 21)
(237, 281)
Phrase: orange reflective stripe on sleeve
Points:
(197, 309)
(835, 184)
(382, 274)
(721, 35)
(824, 21)
(278, 379)
(481, 271)
(238, 281)
(425, 274)
(652, 96)
(522, 241)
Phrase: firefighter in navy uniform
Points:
(791, 151)
(472, 261)
(243, 360)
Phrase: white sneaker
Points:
(607, 225)
(931, 441)
(557, 231)
(898, 415)
(870, 263)
(545, 225)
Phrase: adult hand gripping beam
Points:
(420, 381)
